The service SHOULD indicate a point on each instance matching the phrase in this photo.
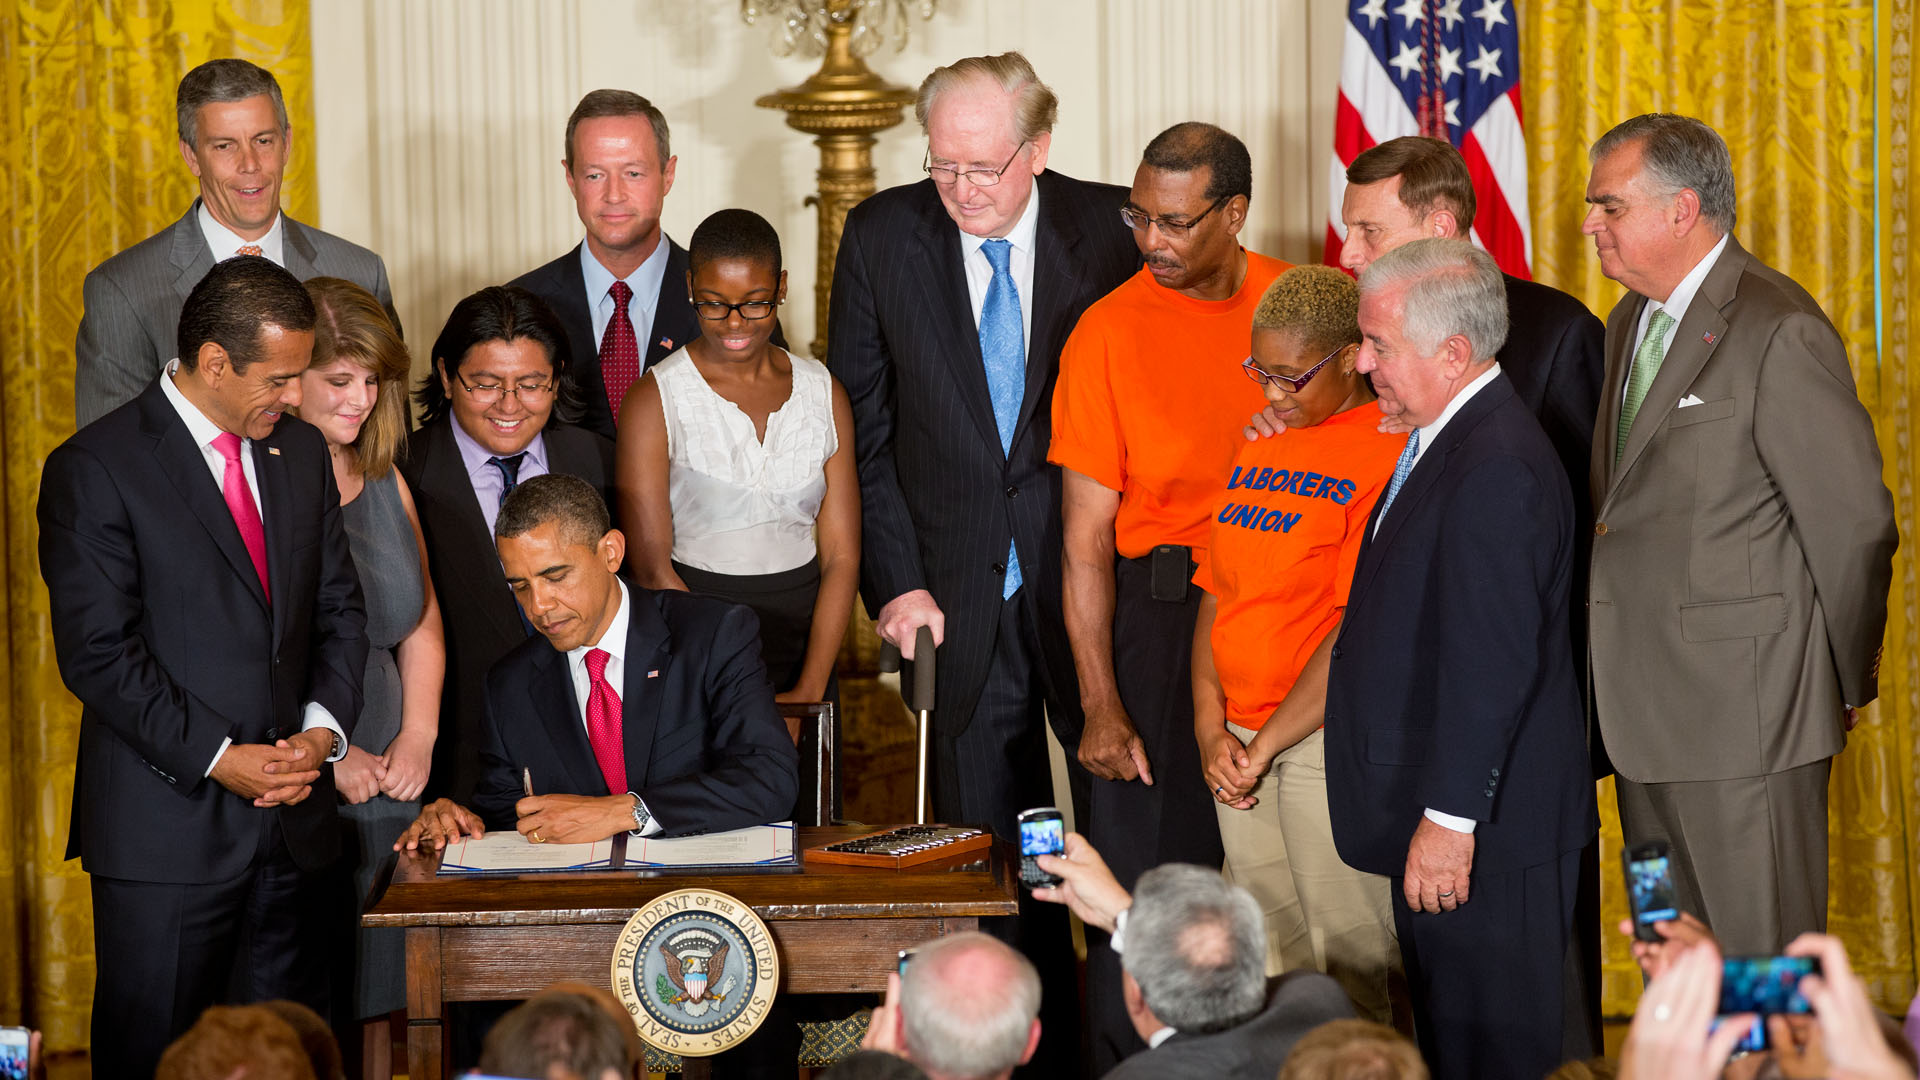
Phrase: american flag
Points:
(1449, 69)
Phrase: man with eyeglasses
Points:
(951, 300)
(487, 425)
(1146, 420)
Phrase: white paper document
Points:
(756, 845)
(508, 852)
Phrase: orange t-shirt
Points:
(1151, 400)
(1285, 534)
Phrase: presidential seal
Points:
(696, 970)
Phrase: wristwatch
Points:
(640, 815)
(337, 747)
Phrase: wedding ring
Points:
(535, 837)
(1446, 894)
(1662, 1012)
(1220, 790)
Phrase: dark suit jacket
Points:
(163, 633)
(481, 616)
(1297, 1002)
(939, 498)
(706, 748)
(1555, 357)
(1452, 682)
(130, 322)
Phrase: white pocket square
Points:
(1687, 401)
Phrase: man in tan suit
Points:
(1743, 541)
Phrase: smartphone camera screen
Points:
(1041, 833)
(13, 1053)
(1650, 884)
(1765, 984)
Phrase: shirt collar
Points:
(1022, 235)
(1677, 302)
(474, 456)
(645, 281)
(614, 641)
(203, 430)
(1432, 431)
(225, 243)
(1160, 1036)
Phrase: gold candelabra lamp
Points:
(844, 105)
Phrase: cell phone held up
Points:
(1650, 894)
(1043, 831)
(13, 1053)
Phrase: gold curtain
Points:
(1792, 86)
(90, 165)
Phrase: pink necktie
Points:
(603, 723)
(248, 249)
(233, 487)
(619, 351)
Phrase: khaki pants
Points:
(1321, 913)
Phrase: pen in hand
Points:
(526, 781)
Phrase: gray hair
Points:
(1198, 948)
(958, 1023)
(1679, 152)
(1034, 107)
(1452, 288)
(217, 82)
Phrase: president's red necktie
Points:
(233, 487)
(619, 350)
(603, 723)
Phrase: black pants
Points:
(164, 952)
(1134, 826)
(991, 771)
(1487, 978)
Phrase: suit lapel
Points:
(445, 471)
(191, 257)
(1620, 328)
(551, 685)
(186, 469)
(296, 247)
(569, 302)
(276, 514)
(649, 649)
(1056, 282)
(667, 327)
(944, 284)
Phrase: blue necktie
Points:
(1003, 346)
(509, 479)
(1400, 470)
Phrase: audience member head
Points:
(735, 281)
(619, 166)
(1433, 313)
(969, 1007)
(1196, 952)
(1591, 1069)
(323, 1052)
(1188, 204)
(989, 125)
(873, 1065)
(246, 334)
(500, 369)
(1659, 198)
(560, 553)
(233, 137)
(1307, 327)
(355, 391)
(237, 1042)
(559, 1034)
(1353, 1050)
(1403, 189)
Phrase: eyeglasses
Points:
(1137, 220)
(1292, 384)
(486, 394)
(947, 175)
(715, 311)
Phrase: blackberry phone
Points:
(1043, 831)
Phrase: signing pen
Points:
(526, 782)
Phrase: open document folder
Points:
(508, 852)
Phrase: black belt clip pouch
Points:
(1172, 573)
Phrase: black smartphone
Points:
(1172, 572)
(1650, 887)
(1767, 985)
(13, 1053)
(1043, 831)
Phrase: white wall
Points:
(440, 122)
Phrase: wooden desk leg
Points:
(427, 1057)
(696, 1068)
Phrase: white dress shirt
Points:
(1428, 435)
(645, 281)
(1675, 304)
(614, 644)
(225, 243)
(204, 432)
(1019, 264)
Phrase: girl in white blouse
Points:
(735, 470)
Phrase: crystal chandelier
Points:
(802, 25)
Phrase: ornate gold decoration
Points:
(697, 971)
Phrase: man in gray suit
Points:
(233, 137)
(1743, 541)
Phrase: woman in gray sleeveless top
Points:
(355, 394)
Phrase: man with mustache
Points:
(1146, 419)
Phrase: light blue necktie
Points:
(1400, 470)
(1003, 346)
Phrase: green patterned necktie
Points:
(1646, 364)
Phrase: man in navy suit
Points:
(1456, 747)
(207, 614)
(634, 711)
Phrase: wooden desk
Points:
(838, 928)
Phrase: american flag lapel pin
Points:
(274, 450)
(666, 343)
(1709, 337)
(653, 674)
